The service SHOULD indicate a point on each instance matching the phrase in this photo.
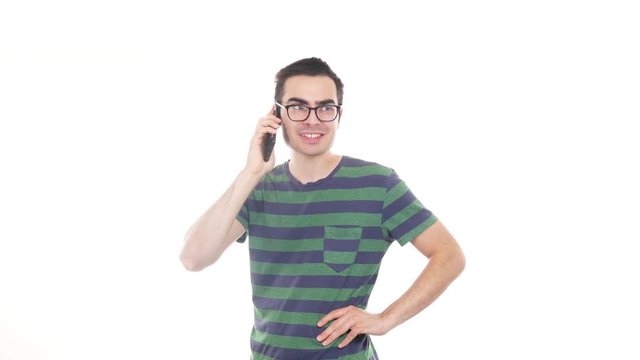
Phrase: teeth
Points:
(311, 136)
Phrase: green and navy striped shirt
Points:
(317, 247)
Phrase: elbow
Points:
(462, 263)
(194, 257)
(459, 262)
(192, 263)
(453, 260)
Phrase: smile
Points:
(311, 135)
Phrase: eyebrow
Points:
(305, 102)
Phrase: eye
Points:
(298, 107)
(327, 108)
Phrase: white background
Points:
(515, 122)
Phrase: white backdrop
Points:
(121, 121)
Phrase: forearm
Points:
(209, 236)
(441, 270)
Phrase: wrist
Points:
(388, 320)
(249, 176)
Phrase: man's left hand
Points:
(352, 319)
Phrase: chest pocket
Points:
(341, 246)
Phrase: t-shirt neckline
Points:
(316, 183)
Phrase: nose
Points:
(313, 117)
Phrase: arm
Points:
(446, 262)
(217, 228)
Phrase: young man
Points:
(318, 227)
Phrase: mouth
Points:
(311, 137)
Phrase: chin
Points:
(306, 150)
(309, 153)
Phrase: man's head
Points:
(301, 87)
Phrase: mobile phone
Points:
(269, 140)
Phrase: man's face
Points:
(311, 137)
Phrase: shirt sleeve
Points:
(403, 215)
(243, 217)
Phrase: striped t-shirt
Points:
(317, 247)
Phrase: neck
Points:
(312, 168)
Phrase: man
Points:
(318, 227)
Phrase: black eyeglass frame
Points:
(315, 109)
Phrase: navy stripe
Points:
(393, 180)
(286, 257)
(304, 257)
(310, 232)
(398, 205)
(353, 162)
(244, 214)
(321, 207)
(369, 257)
(341, 245)
(410, 224)
(320, 307)
(335, 183)
(372, 233)
(313, 281)
(360, 343)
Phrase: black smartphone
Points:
(269, 140)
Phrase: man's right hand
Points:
(255, 162)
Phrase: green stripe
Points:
(395, 193)
(343, 233)
(303, 197)
(277, 178)
(417, 230)
(242, 220)
(340, 257)
(323, 294)
(260, 243)
(363, 171)
(310, 269)
(293, 221)
(256, 356)
(362, 355)
(288, 317)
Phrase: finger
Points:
(272, 114)
(266, 126)
(337, 332)
(271, 117)
(267, 130)
(269, 121)
(336, 329)
(329, 330)
(274, 122)
(272, 110)
(332, 315)
(350, 336)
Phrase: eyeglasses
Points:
(299, 112)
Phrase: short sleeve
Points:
(403, 215)
(243, 218)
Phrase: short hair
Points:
(311, 67)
